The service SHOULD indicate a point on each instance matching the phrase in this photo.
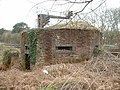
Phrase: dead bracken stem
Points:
(101, 73)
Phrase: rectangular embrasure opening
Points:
(69, 48)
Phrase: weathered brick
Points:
(81, 41)
(64, 45)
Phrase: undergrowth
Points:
(7, 55)
(46, 88)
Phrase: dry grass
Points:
(95, 74)
(75, 25)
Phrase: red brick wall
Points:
(82, 42)
(23, 42)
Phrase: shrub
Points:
(7, 55)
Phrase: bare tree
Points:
(108, 21)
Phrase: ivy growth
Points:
(32, 45)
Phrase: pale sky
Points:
(15, 11)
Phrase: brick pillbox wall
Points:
(65, 45)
